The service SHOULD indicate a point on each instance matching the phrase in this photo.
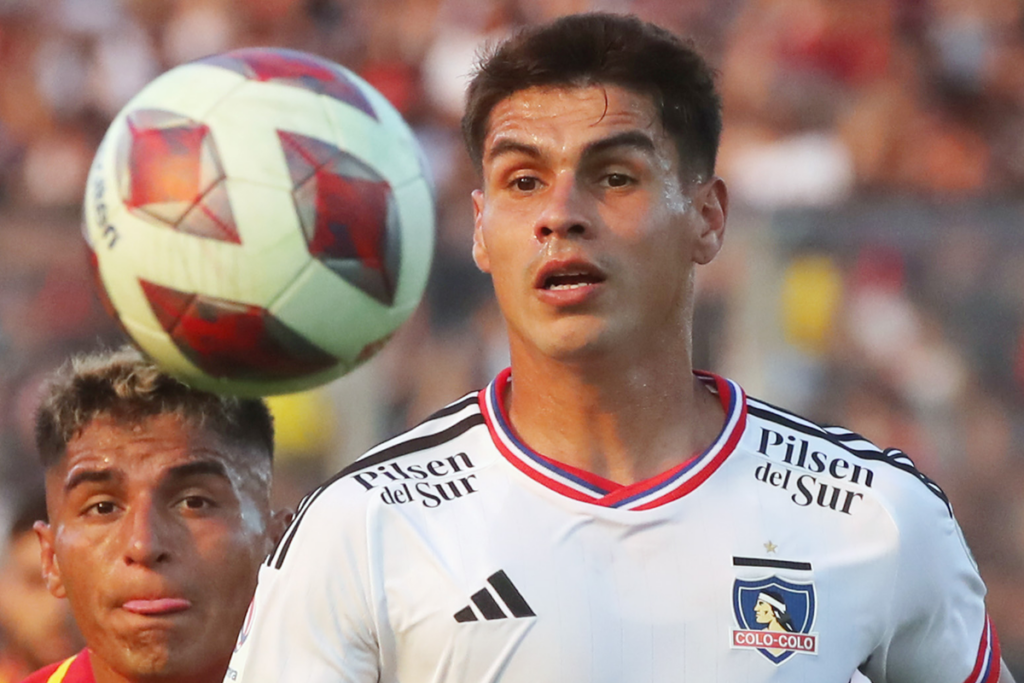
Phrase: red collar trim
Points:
(579, 484)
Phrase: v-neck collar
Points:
(585, 486)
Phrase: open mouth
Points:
(568, 274)
(571, 280)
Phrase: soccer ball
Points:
(259, 221)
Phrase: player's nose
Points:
(566, 211)
(146, 535)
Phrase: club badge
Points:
(775, 616)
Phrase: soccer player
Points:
(159, 515)
(602, 513)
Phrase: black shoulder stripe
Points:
(845, 435)
(411, 446)
(399, 449)
(811, 429)
(781, 417)
(285, 540)
(299, 511)
(892, 456)
(453, 408)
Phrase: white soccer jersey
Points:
(784, 552)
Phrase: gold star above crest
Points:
(770, 547)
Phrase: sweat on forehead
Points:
(127, 388)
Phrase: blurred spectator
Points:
(873, 275)
(35, 627)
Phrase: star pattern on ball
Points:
(172, 175)
(297, 69)
(234, 340)
(347, 212)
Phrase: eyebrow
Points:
(107, 475)
(631, 138)
(506, 146)
(90, 476)
(634, 139)
(198, 468)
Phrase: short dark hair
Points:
(603, 48)
(127, 387)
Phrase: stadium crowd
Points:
(873, 274)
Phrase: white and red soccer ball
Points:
(261, 221)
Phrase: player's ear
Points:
(51, 568)
(480, 256)
(713, 202)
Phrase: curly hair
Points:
(127, 387)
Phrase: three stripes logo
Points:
(499, 599)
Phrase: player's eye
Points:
(196, 503)
(617, 180)
(102, 508)
(526, 183)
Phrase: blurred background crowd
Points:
(873, 274)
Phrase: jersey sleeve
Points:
(43, 675)
(938, 627)
(311, 618)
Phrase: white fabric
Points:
(390, 572)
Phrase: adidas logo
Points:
(498, 600)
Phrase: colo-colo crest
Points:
(774, 616)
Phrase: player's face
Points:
(585, 225)
(155, 537)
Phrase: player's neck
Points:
(625, 425)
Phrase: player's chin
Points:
(176, 649)
(193, 660)
(145, 660)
